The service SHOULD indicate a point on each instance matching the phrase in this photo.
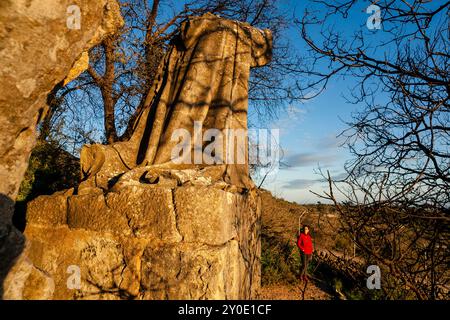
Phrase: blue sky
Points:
(309, 137)
(309, 130)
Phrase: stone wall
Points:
(180, 235)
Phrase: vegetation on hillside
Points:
(50, 169)
(334, 268)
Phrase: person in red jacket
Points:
(305, 244)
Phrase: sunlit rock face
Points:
(40, 41)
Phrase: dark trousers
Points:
(306, 259)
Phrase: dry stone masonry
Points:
(185, 236)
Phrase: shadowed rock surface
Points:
(37, 51)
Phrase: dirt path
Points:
(294, 292)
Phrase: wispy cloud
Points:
(290, 119)
(339, 176)
(300, 183)
(324, 153)
(331, 141)
(306, 183)
(307, 159)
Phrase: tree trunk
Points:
(107, 91)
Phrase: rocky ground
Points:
(310, 291)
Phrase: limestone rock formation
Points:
(158, 234)
(38, 47)
(39, 42)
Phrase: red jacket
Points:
(304, 242)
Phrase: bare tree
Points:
(123, 66)
(396, 193)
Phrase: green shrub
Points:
(343, 244)
(280, 262)
(50, 169)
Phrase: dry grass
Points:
(293, 292)
(280, 218)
